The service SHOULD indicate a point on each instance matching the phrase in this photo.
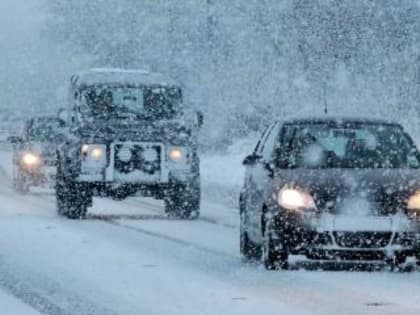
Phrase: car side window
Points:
(283, 143)
(269, 144)
(260, 142)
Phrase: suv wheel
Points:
(183, 202)
(72, 198)
(248, 249)
(274, 258)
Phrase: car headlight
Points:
(31, 159)
(178, 154)
(94, 154)
(293, 199)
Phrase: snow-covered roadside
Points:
(12, 306)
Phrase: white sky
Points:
(32, 68)
(19, 21)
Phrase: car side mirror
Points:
(200, 119)
(251, 159)
(15, 139)
(269, 167)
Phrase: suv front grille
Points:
(362, 239)
(145, 158)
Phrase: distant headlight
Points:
(94, 153)
(31, 159)
(294, 199)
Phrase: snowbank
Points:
(12, 306)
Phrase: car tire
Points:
(183, 202)
(398, 263)
(273, 257)
(72, 198)
(20, 185)
(249, 250)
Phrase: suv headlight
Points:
(94, 155)
(413, 205)
(294, 199)
(178, 155)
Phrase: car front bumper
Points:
(40, 175)
(312, 237)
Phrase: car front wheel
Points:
(20, 184)
(275, 257)
(248, 249)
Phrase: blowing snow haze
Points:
(33, 73)
(174, 157)
(251, 60)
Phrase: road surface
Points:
(128, 258)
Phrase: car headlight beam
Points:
(294, 199)
(31, 159)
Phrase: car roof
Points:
(339, 121)
(121, 76)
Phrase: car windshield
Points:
(121, 102)
(44, 130)
(357, 145)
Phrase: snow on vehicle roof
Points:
(120, 76)
(339, 120)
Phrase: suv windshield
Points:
(44, 129)
(122, 102)
(358, 145)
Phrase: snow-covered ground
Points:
(223, 173)
(127, 258)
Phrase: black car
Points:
(129, 133)
(34, 153)
(332, 189)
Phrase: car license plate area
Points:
(362, 239)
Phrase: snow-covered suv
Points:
(128, 133)
(332, 189)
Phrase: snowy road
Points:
(127, 258)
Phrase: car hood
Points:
(350, 192)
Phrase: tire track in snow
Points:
(44, 295)
(166, 237)
(155, 208)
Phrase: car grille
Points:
(145, 158)
(362, 239)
